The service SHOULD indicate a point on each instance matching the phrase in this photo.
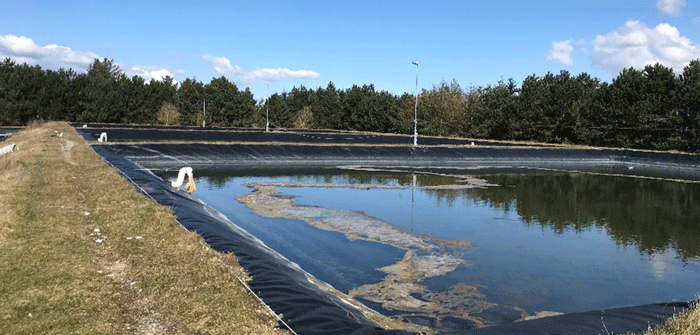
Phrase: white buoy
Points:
(103, 138)
(190, 187)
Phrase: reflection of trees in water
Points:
(218, 180)
(650, 214)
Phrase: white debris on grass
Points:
(8, 148)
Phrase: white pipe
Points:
(103, 138)
(8, 148)
(181, 177)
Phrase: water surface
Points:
(561, 243)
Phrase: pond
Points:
(451, 251)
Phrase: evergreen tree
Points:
(688, 127)
(442, 109)
(326, 108)
(497, 111)
(190, 101)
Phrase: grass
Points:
(82, 252)
(682, 324)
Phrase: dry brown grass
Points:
(682, 324)
(141, 273)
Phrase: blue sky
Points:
(311, 43)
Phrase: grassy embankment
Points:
(682, 324)
(82, 252)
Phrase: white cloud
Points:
(23, 50)
(223, 66)
(560, 52)
(670, 7)
(636, 45)
(149, 72)
(280, 73)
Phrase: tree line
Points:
(649, 108)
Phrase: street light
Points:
(415, 111)
(267, 105)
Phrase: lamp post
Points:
(267, 105)
(415, 111)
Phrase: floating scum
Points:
(312, 307)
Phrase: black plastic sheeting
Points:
(281, 284)
(463, 159)
(635, 319)
(286, 288)
(5, 133)
(144, 133)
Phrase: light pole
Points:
(415, 111)
(267, 105)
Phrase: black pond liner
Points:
(634, 319)
(281, 284)
(287, 289)
(148, 133)
(437, 159)
(5, 133)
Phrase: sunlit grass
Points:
(82, 252)
(682, 324)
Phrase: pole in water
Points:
(413, 200)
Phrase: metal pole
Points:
(267, 105)
(415, 111)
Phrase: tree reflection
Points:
(649, 214)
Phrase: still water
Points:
(524, 244)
